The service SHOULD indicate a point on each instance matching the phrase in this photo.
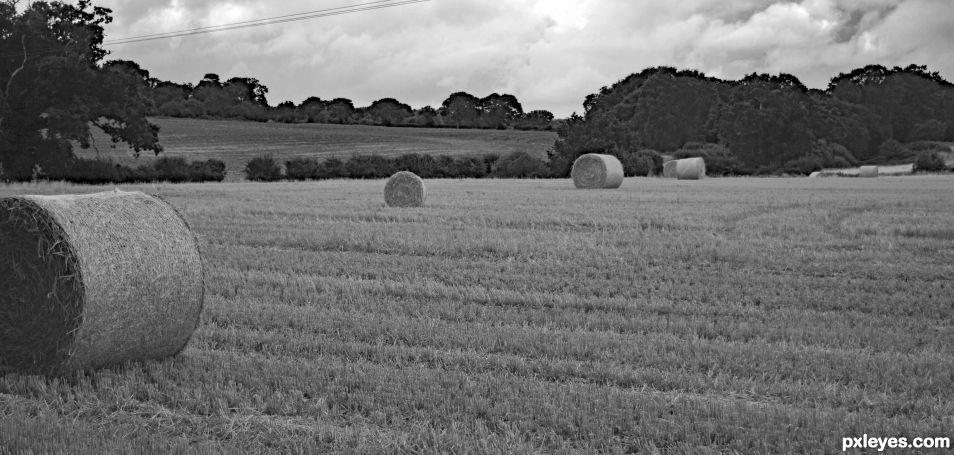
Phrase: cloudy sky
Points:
(548, 53)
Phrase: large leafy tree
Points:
(389, 111)
(462, 109)
(766, 120)
(54, 86)
(499, 111)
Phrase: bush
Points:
(95, 171)
(420, 164)
(470, 167)
(832, 154)
(331, 168)
(302, 168)
(101, 171)
(520, 165)
(929, 161)
(369, 167)
(263, 168)
(172, 169)
(489, 160)
(641, 163)
(892, 151)
(207, 171)
(803, 165)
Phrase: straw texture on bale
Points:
(669, 169)
(88, 281)
(405, 189)
(868, 171)
(594, 170)
(690, 169)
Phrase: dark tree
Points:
(53, 86)
(499, 111)
(389, 111)
(462, 109)
(340, 110)
(766, 120)
(247, 90)
(535, 120)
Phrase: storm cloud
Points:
(548, 53)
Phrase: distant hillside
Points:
(235, 142)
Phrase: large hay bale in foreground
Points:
(690, 169)
(594, 170)
(93, 280)
(405, 189)
(868, 171)
(669, 169)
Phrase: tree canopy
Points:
(54, 86)
(763, 122)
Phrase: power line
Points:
(381, 4)
(213, 27)
(337, 11)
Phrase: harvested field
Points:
(724, 315)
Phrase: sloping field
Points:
(720, 316)
(235, 142)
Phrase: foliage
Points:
(929, 161)
(377, 166)
(244, 98)
(719, 160)
(519, 165)
(210, 170)
(53, 87)
(174, 169)
(893, 151)
(769, 123)
(100, 171)
(639, 163)
(263, 168)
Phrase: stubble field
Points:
(725, 315)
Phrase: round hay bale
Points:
(868, 171)
(405, 189)
(594, 170)
(669, 169)
(690, 169)
(814, 174)
(93, 280)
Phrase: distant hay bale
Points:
(690, 169)
(93, 280)
(815, 174)
(594, 170)
(868, 171)
(669, 169)
(404, 189)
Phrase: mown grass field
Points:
(236, 142)
(725, 315)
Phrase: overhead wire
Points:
(327, 12)
(267, 21)
(211, 28)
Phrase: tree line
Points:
(246, 98)
(764, 123)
